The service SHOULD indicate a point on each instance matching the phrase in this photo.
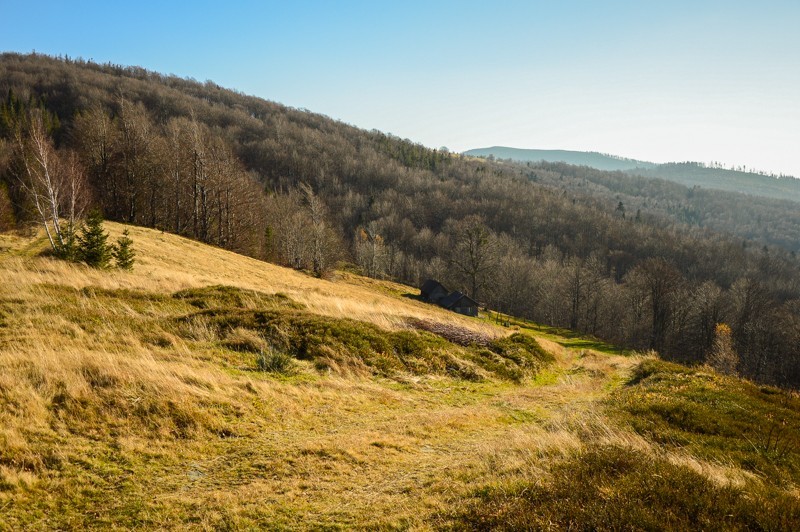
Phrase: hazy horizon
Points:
(704, 82)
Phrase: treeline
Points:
(303, 190)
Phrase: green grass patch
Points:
(547, 376)
(715, 417)
(575, 340)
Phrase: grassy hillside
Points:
(208, 390)
(569, 246)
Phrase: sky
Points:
(658, 81)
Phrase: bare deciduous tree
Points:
(54, 183)
(322, 240)
(370, 251)
(657, 280)
(475, 253)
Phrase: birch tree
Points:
(53, 183)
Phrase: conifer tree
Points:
(93, 248)
(123, 251)
(67, 248)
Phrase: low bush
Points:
(614, 488)
(716, 417)
(242, 319)
(522, 349)
(230, 297)
(512, 357)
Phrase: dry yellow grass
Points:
(109, 419)
(168, 263)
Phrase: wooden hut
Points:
(433, 291)
(461, 303)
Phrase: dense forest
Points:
(640, 262)
(734, 179)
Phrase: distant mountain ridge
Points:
(755, 184)
(689, 174)
(600, 161)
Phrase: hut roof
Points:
(451, 300)
(430, 285)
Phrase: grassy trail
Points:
(387, 454)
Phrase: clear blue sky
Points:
(680, 80)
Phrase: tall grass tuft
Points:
(271, 360)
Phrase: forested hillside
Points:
(730, 179)
(756, 219)
(300, 189)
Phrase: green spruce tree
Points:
(93, 248)
(124, 252)
(67, 247)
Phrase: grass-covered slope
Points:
(208, 390)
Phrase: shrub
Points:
(347, 346)
(522, 349)
(230, 297)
